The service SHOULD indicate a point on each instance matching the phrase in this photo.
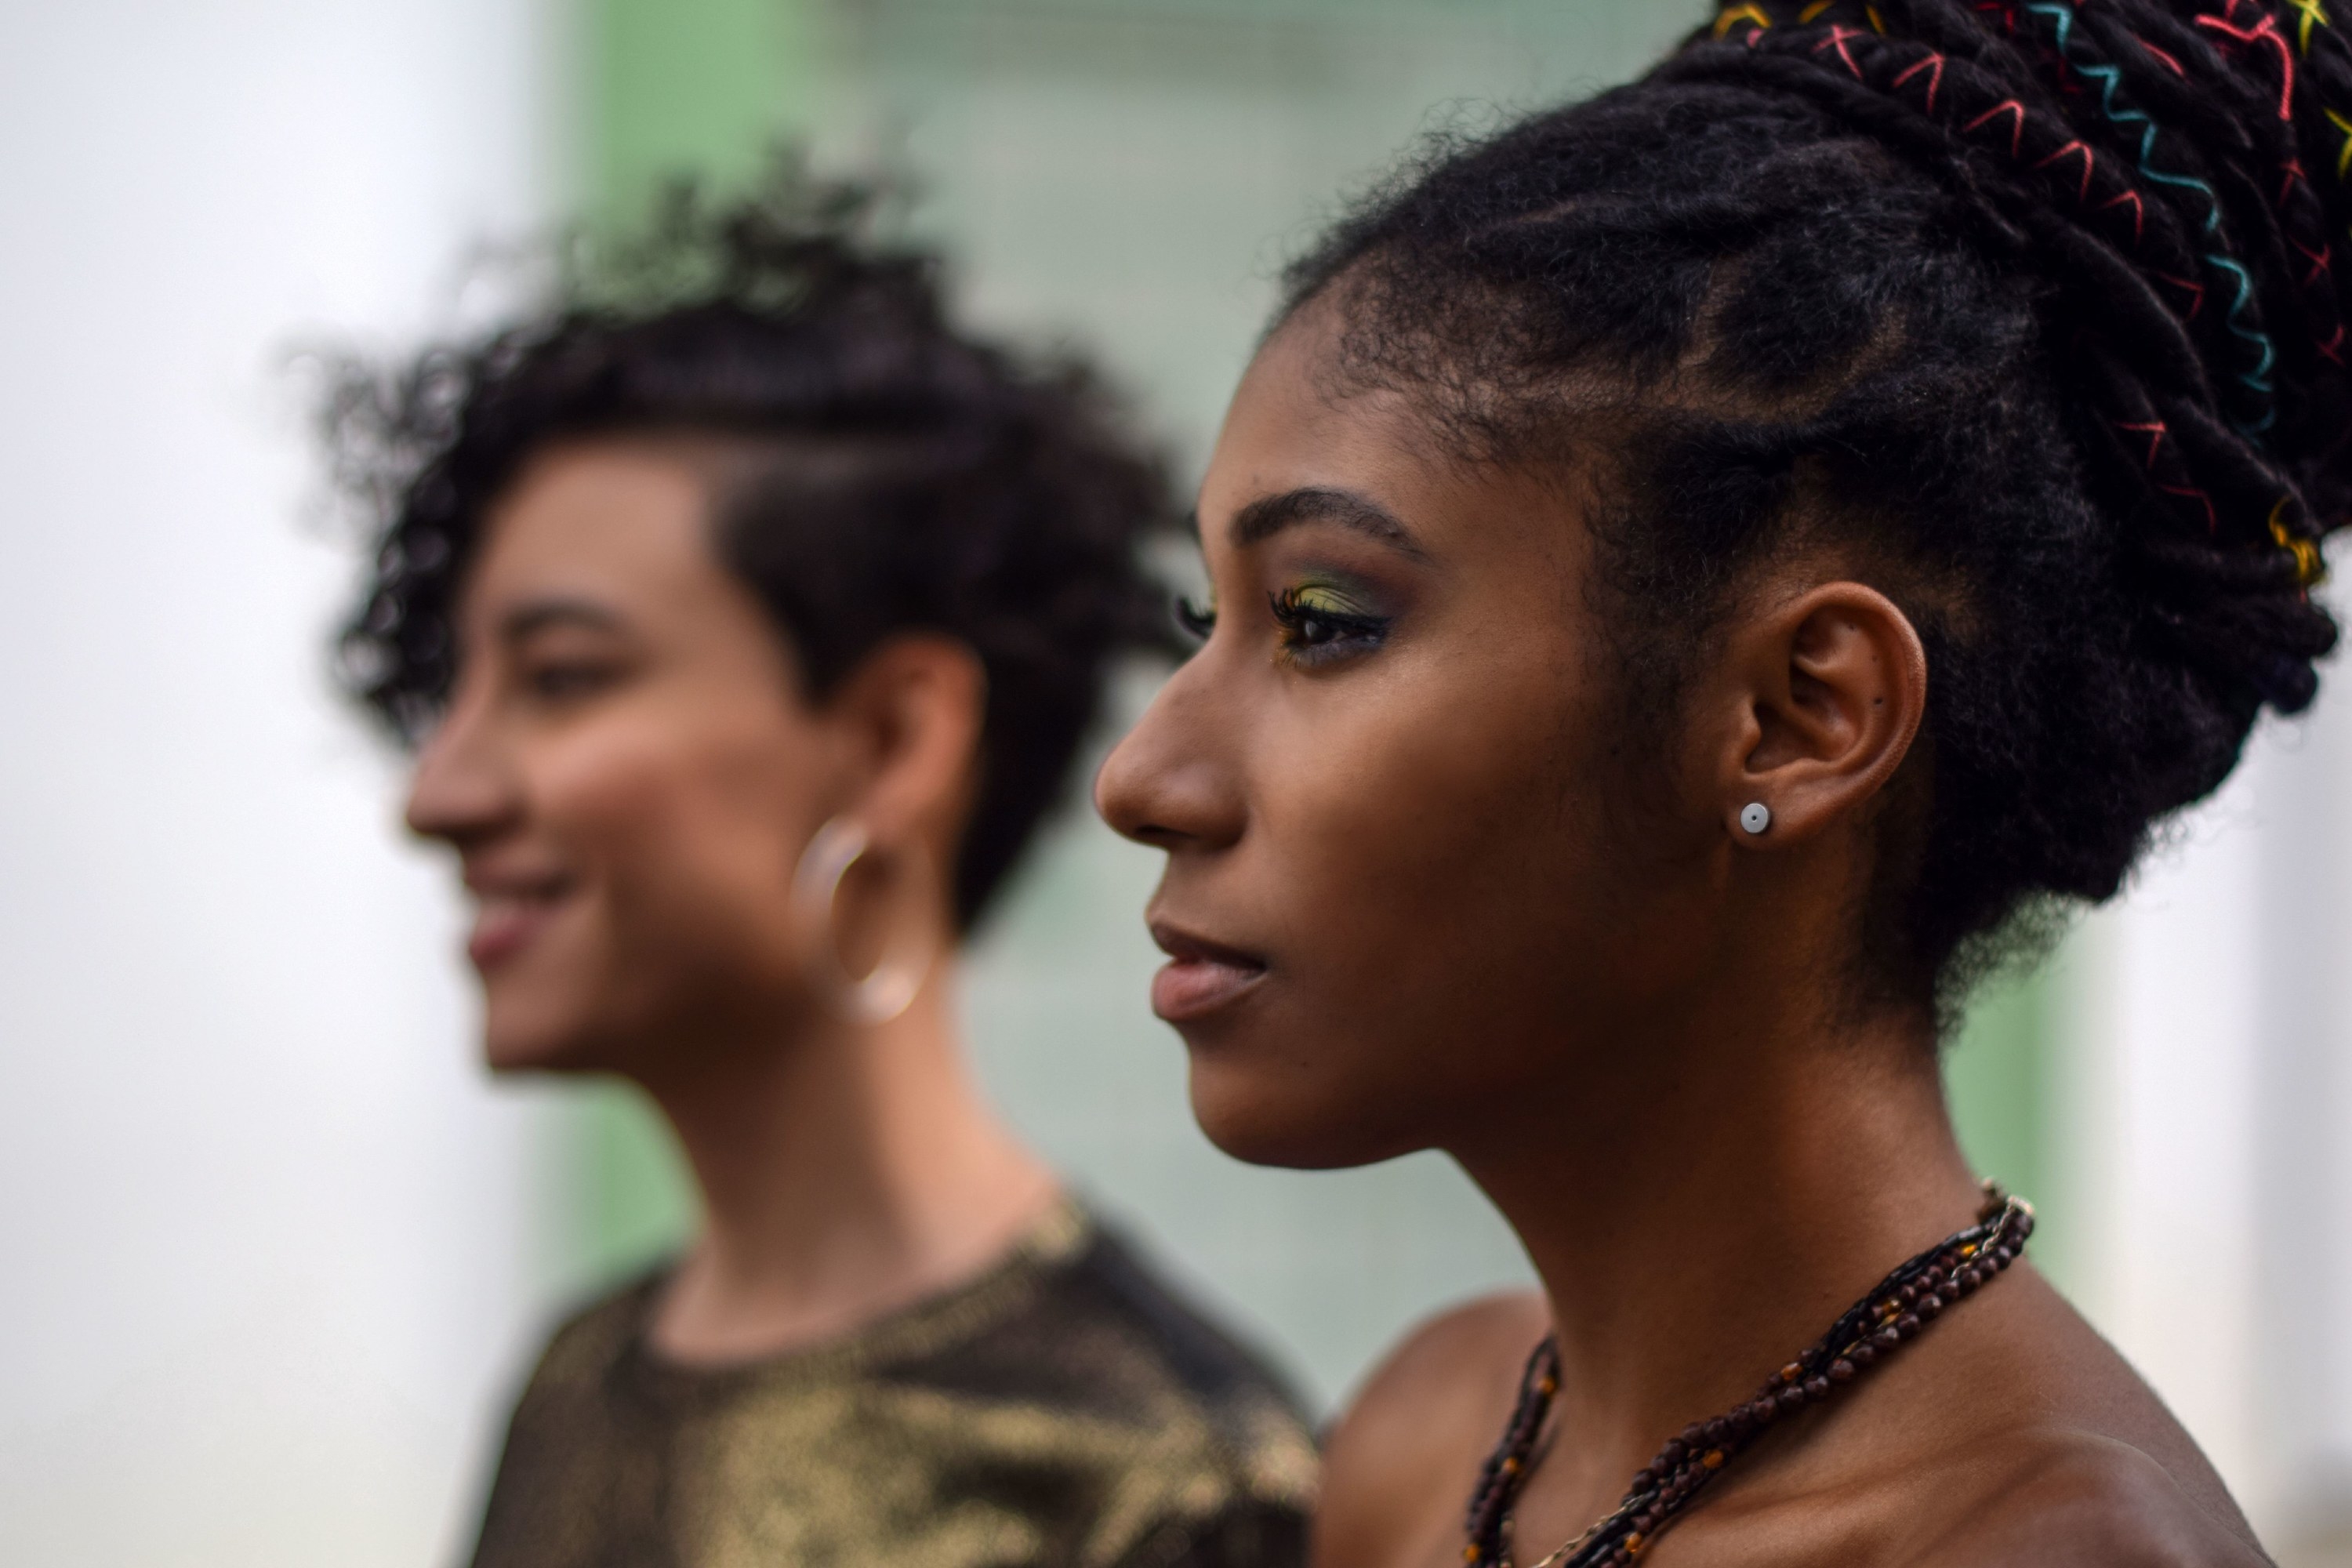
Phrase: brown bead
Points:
(1907, 1325)
(1929, 1305)
(1817, 1388)
(1715, 1432)
(1643, 1480)
(1694, 1435)
(1909, 1293)
(1887, 1338)
(1840, 1371)
(1864, 1353)
(1790, 1398)
(1672, 1451)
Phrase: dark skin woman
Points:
(1698, 576)
(747, 637)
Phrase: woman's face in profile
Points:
(627, 769)
(1404, 885)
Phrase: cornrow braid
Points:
(2040, 302)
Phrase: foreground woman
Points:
(748, 639)
(1698, 576)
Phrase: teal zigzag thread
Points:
(2109, 79)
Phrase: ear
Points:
(1829, 690)
(913, 711)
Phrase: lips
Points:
(508, 916)
(1201, 976)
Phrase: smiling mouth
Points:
(507, 921)
(1200, 976)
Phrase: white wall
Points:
(2209, 1121)
(264, 1241)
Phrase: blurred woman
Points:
(1699, 575)
(747, 630)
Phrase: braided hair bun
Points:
(2032, 306)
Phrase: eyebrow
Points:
(538, 614)
(1263, 518)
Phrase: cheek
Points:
(686, 845)
(1440, 825)
(1438, 870)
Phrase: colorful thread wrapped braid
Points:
(2035, 306)
(2078, 98)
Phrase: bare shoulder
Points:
(1399, 1464)
(2012, 1435)
(2073, 1497)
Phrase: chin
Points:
(520, 1036)
(1263, 1118)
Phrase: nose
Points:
(1170, 782)
(463, 790)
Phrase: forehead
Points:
(1297, 421)
(620, 521)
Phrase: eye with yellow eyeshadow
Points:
(1321, 622)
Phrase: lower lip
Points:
(499, 937)
(1191, 988)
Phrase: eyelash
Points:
(1315, 634)
(1310, 634)
(558, 681)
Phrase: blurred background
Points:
(275, 1252)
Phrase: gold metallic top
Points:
(1062, 1408)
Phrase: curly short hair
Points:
(2031, 306)
(906, 475)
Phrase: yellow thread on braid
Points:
(2344, 158)
(2310, 566)
(1877, 23)
(1815, 9)
(1755, 14)
(2312, 11)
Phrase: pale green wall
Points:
(1129, 174)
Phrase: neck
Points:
(846, 1172)
(1773, 1175)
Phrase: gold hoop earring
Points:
(889, 990)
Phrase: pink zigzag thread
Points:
(2090, 162)
(1933, 63)
(2009, 107)
(2155, 432)
(2265, 31)
(2139, 210)
(2196, 292)
(1838, 34)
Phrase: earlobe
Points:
(1835, 690)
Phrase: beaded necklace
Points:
(1897, 1309)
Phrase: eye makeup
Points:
(1319, 622)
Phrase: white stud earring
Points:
(1755, 816)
